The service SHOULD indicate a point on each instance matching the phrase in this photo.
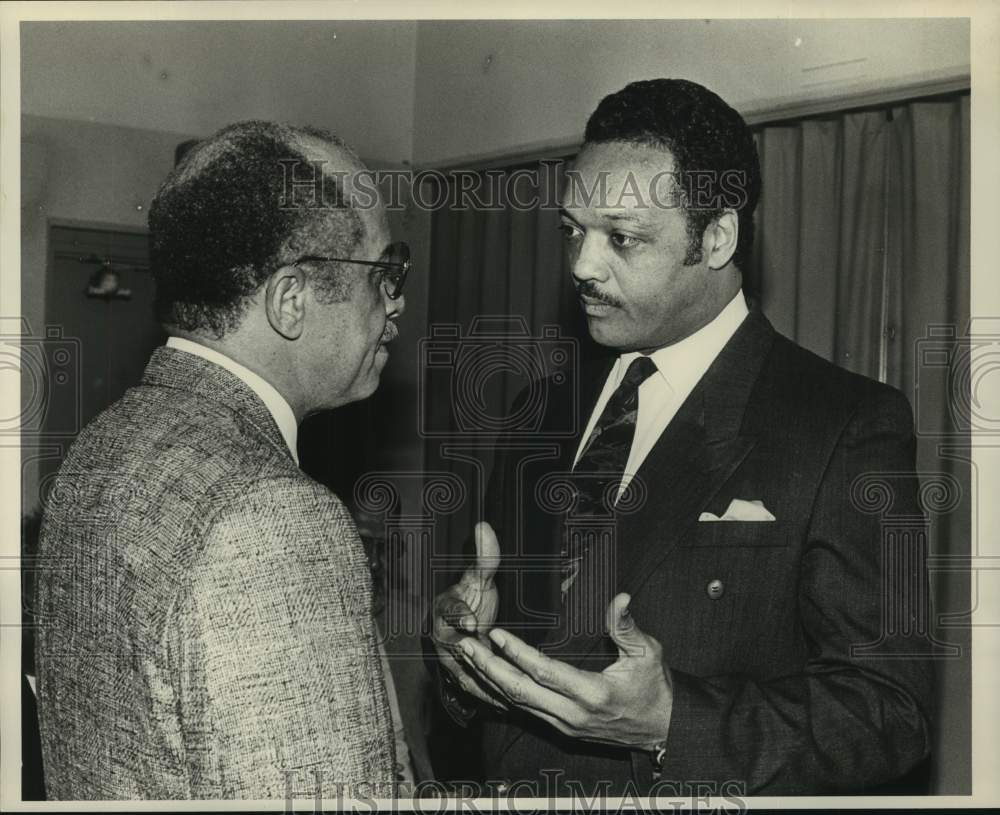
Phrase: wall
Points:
(195, 77)
(81, 172)
(522, 85)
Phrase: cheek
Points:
(376, 327)
(642, 299)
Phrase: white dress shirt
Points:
(276, 404)
(679, 367)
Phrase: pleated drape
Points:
(862, 256)
(928, 295)
(819, 254)
(498, 280)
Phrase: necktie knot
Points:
(639, 370)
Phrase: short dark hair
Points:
(702, 133)
(223, 221)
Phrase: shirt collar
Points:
(682, 364)
(278, 406)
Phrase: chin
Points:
(374, 377)
(369, 388)
(606, 335)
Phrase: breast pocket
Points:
(725, 534)
(728, 594)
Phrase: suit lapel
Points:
(695, 455)
(684, 475)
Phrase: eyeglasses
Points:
(395, 266)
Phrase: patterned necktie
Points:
(602, 464)
(606, 453)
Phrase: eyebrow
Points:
(609, 216)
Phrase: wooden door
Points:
(109, 337)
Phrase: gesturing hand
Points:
(468, 610)
(628, 703)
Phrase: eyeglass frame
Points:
(400, 268)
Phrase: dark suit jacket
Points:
(206, 626)
(757, 619)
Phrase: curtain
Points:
(927, 317)
(819, 252)
(501, 299)
(861, 255)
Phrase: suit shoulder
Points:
(818, 384)
(214, 442)
(278, 529)
(291, 498)
(295, 515)
(162, 465)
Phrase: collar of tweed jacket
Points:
(170, 368)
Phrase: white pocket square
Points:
(740, 510)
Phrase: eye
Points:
(570, 232)
(623, 241)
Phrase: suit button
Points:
(715, 589)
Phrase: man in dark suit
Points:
(703, 606)
(211, 635)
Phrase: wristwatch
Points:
(458, 704)
(657, 753)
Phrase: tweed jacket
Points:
(206, 626)
(791, 673)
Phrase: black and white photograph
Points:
(493, 406)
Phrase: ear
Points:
(285, 302)
(720, 239)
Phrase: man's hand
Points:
(467, 611)
(628, 703)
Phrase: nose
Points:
(395, 308)
(587, 261)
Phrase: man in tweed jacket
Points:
(208, 633)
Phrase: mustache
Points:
(589, 289)
(390, 333)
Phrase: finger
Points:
(631, 641)
(454, 612)
(495, 692)
(472, 685)
(484, 681)
(487, 552)
(581, 687)
(517, 686)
